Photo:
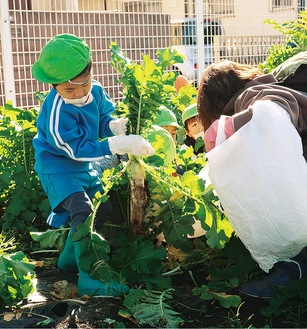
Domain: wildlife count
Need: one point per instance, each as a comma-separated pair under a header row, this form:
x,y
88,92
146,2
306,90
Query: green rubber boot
x,y
67,261
95,287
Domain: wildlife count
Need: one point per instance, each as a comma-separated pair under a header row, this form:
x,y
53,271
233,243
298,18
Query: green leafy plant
x,y
226,300
152,308
22,199
295,41
17,274
172,203
146,86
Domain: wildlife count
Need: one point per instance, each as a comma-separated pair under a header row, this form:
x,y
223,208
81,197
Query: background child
x,y
165,129
167,120
193,129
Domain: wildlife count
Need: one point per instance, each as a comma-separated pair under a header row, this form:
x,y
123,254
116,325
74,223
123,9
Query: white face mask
x,y
201,134
79,101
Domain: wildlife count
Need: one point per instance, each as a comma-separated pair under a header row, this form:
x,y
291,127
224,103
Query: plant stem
x,y
24,152
139,117
43,251
174,270
192,278
42,316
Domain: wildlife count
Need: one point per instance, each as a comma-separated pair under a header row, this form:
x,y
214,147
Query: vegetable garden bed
x,y
50,307
176,282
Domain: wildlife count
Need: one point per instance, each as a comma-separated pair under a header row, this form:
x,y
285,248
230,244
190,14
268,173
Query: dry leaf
x,y
64,290
39,263
8,316
19,314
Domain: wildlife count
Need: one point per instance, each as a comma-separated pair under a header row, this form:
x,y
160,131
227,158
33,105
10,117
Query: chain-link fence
x,y
202,30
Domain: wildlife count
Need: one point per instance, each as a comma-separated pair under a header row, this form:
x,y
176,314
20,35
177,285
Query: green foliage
x,y
239,262
50,238
95,251
21,195
277,54
146,86
289,304
176,202
295,41
139,260
16,275
110,323
207,293
152,308
45,323
234,320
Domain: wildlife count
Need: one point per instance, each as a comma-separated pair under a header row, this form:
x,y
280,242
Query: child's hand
x,y
132,144
118,126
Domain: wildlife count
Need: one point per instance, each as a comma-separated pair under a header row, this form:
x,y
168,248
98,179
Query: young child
x,y
164,145
167,120
193,129
165,128
75,117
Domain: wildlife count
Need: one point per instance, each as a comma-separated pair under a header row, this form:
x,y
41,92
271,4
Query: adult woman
x,y
232,90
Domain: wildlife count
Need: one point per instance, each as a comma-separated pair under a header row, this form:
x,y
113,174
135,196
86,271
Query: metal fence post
x,y
7,52
200,38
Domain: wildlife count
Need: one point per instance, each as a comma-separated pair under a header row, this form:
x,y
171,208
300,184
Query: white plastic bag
x,y
260,177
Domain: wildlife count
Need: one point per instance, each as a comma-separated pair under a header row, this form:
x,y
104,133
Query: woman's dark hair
x,y
87,69
219,83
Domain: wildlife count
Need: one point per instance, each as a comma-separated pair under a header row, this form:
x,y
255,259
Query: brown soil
x,y
65,310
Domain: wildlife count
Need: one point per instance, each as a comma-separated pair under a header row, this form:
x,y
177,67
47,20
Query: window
x,y
282,5
222,7
143,6
301,5
184,32
20,4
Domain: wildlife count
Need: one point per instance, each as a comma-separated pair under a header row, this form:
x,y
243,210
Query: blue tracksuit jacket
x,y
69,137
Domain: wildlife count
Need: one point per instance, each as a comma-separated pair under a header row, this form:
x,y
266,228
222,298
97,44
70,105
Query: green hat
x,y
167,149
61,59
189,112
166,117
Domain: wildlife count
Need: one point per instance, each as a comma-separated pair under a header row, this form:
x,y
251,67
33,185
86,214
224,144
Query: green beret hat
x,y
61,59
189,112
166,117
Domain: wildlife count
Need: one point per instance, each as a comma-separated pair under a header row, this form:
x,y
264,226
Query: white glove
x,y
132,144
118,126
